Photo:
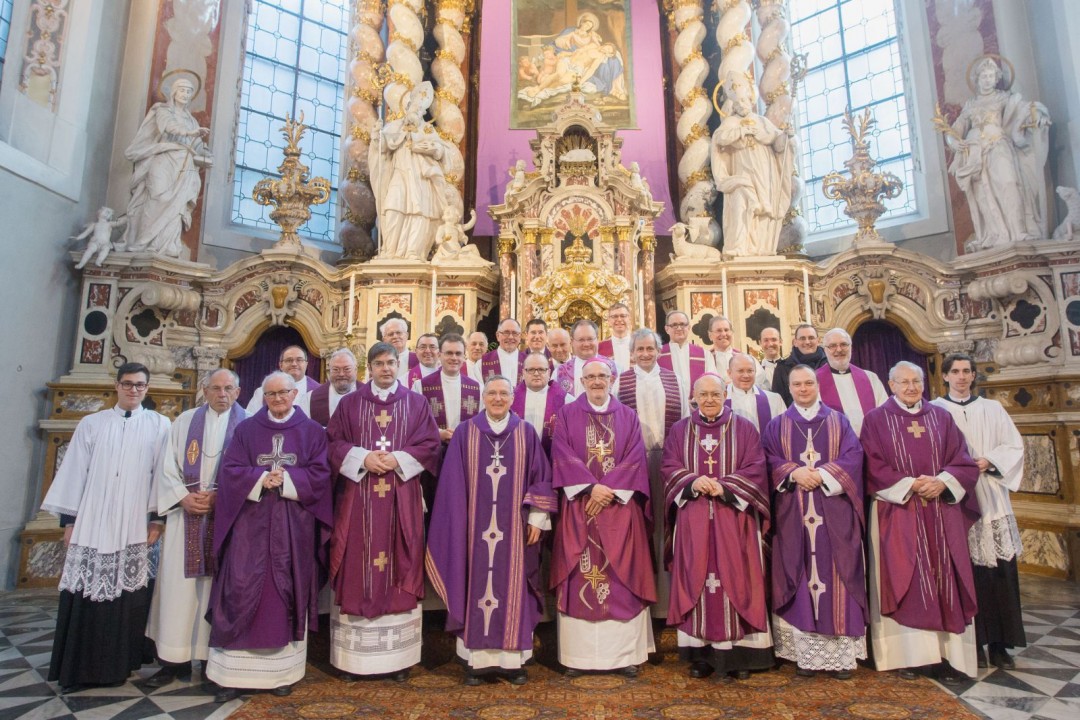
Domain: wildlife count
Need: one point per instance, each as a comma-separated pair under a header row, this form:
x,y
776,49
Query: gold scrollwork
x,y
398,37
446,96
697,132
694,54
358,133
366,95
699,175
694,95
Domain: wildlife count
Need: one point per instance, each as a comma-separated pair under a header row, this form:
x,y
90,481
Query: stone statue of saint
x,y
752,164
407,179
167,151
1000,143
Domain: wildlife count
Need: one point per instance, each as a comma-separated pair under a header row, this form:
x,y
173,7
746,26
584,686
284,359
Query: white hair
x,y
836,331
342,352
404,326
206,378
278,375
642,334
905,365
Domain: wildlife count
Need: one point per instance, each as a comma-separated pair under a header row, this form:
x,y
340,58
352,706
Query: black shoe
x,y
282,691
400,675
473,680
68,689
949,676
980,658
169,674
700,670
348,677
742,674
906,674
1000,658
842,675
226,694
519,677
630,671
572,672
803,672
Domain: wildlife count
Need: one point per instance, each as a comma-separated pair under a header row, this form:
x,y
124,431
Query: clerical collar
x,y
845,371
809,413
497,426
600,408
767,361
381,393
751,391
707,420
537,392
284,419
506,353
450,378
913,409
966,401
128,413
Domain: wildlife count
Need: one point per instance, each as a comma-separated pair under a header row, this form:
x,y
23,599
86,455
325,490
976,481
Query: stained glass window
x,y
294,61
854,59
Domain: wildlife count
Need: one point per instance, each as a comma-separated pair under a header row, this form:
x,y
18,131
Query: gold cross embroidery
x,y
916,429
710,462
193,451
382,487
383,419
594,576
600,451
380,562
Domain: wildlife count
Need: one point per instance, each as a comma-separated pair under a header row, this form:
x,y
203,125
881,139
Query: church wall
x,y
38,290
498,148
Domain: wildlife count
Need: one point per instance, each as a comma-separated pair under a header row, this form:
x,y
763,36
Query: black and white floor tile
x,y
1044,686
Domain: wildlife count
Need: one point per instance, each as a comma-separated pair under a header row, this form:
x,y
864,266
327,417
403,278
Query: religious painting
x,y
557,43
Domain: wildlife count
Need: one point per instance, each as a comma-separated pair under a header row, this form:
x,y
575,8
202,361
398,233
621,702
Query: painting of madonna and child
x,y
558,42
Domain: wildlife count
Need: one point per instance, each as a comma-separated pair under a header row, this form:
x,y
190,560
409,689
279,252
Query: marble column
x,y
693,109
648,287
527,272
451,19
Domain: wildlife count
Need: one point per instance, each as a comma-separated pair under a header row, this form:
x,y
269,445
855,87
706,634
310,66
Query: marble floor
x,y
1044,686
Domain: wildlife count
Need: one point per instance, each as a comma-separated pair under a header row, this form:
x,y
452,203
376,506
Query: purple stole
x,y
672,402
697,362
764,410
199,559
490,364
831,397
552,404
432,390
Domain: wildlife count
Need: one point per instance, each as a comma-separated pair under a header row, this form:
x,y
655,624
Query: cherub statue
x,y
684,237
639,183
100,233
1068,228
452,244
517,182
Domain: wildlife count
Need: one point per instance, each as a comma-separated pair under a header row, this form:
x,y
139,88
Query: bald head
x,y
742,369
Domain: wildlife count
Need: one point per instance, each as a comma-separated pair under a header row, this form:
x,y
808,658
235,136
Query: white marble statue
x,y
640,184
100,233
752,164
167,151
684,239
407,179
1000,142
452,244
517,180
1069,227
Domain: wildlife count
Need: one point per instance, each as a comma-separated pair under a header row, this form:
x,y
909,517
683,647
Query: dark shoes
x,y
700,670
906,674
519,677
949,676
572,672
473,680
283,691
842,675
630,671
741,674
803,672
400,675
168,674
980,657
1000,658
226,694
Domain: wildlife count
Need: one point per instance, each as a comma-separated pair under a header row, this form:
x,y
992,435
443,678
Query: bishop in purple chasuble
x,y
818,573
601,566
265,591
477,557
921,575
717,597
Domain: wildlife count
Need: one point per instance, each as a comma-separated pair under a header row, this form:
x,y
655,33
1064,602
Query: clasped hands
x,y
707,486
600,497
199,503
274,479
807,478
927,487
380,462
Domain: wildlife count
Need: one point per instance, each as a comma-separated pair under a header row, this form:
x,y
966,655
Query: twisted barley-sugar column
x,y
450,18
402,54
361,111
694,107
732,35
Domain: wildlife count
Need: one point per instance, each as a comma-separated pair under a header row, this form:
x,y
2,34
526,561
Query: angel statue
x,y
452,244
100,233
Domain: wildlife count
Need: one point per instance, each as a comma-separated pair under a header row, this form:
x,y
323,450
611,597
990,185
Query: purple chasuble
x,y
432,389
553,403
377,549
199,560
319,404
717,573
477,558
265,592
491,365
926,579
601,568
831,396
818,574
672,402
564,376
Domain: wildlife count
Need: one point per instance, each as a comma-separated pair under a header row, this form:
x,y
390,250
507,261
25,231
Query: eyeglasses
x,y
384,363
128,385
909,383
536,371
510,333
679,325
837,346
219,388
593,378
342,371
273,394
294,361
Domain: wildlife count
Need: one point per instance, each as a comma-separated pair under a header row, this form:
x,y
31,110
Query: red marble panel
x,y
98,296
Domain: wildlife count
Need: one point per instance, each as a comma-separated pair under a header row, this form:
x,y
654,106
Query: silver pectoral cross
x,y
276,459
383,444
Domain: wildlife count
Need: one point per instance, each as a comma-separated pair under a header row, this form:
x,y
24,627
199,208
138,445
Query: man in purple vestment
x,y
273,514
382,437
321,402
818,576
507,358
601,567
717,498
483,555
583,341
845,387
537,400
922,481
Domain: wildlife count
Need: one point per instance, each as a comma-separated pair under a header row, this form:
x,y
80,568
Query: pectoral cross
x,y
383,444
916,429
381,561
710,462
810,456
276,459
382,487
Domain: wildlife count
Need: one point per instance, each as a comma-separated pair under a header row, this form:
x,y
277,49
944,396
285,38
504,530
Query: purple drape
x,y
263,360
878,345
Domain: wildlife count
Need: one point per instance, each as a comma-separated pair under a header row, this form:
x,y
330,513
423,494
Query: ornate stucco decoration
x,y
877,288
295,193
279,293
1028,325
578,289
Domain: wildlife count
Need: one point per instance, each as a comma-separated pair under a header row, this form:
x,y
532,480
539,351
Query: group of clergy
x,y
608,483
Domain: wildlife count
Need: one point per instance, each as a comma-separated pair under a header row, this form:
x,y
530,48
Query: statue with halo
x,y
999,144
168,151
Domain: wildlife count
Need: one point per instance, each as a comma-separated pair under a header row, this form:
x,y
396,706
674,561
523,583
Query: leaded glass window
x,y
854,59
294,61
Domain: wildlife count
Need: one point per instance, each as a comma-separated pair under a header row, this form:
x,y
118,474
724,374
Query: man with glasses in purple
x,y
293,361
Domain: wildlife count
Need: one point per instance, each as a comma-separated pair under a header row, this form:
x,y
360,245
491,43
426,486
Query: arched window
x,y
855,58
295,60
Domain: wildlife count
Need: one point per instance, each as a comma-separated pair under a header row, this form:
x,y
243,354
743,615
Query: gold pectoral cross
x,y
383,419
916,429
711,463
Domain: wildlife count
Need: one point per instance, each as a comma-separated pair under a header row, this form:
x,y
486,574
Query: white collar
x,y
506,353
961,399
383,394
450,378
497,425
121,412
648,373
285,419
911,410
752,391
600,408
541,391
811,412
